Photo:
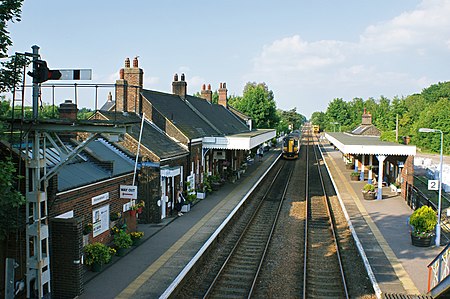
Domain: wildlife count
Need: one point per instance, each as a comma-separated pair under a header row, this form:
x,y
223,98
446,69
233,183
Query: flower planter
x,y
139,210
96,267
368,195
186,208
349,166
137,242
133,213
121,251
201,195
421,241
354,178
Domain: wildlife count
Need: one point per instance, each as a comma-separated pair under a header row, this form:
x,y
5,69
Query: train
x,y
315,129
291,145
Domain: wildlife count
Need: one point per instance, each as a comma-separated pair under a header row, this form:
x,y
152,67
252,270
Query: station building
x,y
379,162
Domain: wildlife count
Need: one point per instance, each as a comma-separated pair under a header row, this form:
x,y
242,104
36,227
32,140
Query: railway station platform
x,y
382,231
380,226
148,269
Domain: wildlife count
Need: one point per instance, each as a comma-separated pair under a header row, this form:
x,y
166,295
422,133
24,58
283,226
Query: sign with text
x,y
100,220
433,184
128,192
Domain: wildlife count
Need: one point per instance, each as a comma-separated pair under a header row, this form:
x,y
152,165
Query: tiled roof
x,y
108,106
219,116
80,174
177,111
153,139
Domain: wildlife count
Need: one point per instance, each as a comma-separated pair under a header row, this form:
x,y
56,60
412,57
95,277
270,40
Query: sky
x,y
307,52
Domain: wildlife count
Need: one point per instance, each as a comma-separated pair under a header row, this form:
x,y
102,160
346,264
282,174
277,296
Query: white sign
x,y
128,192
100,220
433,184
100,198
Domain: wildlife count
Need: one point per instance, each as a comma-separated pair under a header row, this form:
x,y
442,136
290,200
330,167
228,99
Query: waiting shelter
x,y
394,163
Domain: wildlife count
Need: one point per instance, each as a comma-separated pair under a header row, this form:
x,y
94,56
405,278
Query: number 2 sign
x,y
433,184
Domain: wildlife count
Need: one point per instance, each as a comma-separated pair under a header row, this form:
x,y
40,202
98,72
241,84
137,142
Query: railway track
x,y
238,274
323,275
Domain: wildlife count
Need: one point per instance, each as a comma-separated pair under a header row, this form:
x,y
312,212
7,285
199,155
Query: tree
x,y
10,199
10,10
436,117
289,118
318,118
258,103
10,73
338,111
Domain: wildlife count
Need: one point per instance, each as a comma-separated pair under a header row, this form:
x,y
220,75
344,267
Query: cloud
x,y
396,56
428,26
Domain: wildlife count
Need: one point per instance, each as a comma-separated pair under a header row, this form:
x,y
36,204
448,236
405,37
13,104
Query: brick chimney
x,y
129,87
179,87
68,111
223,95
206,93
366,118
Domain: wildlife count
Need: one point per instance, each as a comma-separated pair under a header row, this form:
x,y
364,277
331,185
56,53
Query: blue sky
x,y
307,52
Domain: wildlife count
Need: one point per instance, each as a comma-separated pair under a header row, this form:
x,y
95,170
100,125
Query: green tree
x,y
289,118
258,103
338,111
10,199
10,11
437,92
436,117
318,118
10,74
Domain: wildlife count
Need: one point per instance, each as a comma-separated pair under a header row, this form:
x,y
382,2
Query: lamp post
x,y
438,225
334,126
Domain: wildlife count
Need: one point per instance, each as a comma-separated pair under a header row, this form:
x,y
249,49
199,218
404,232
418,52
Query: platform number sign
x,y
433,184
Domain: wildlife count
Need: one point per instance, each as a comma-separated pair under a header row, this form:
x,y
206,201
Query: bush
x,y
354,173
369,188
122,240
423,221
97,253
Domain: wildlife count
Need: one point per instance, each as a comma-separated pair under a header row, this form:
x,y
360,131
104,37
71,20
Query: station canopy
x,y
240,141
368,145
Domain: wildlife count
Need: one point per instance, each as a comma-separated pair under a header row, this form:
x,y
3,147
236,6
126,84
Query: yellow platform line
x,y
401,273
129,291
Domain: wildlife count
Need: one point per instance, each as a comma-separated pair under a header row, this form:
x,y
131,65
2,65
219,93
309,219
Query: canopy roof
x,y
369,145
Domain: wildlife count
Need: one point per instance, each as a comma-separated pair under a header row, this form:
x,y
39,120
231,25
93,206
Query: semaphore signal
x,y
42,73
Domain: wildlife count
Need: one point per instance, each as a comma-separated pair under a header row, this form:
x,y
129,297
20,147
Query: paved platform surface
x,y
381,227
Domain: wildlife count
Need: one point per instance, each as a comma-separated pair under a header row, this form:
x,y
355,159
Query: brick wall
x,y
80,201
66,243
407,174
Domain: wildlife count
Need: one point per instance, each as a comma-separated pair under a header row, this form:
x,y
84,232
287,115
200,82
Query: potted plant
x,y
136,237
395,187
423,222
140,206
348,165
87,229
354,176
369,192
96,255
123,241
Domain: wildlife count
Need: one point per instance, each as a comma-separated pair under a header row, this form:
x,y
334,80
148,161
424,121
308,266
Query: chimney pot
x,y
209,86
127,62
203,87
121,74
182,77
135,61
175,77
109,97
